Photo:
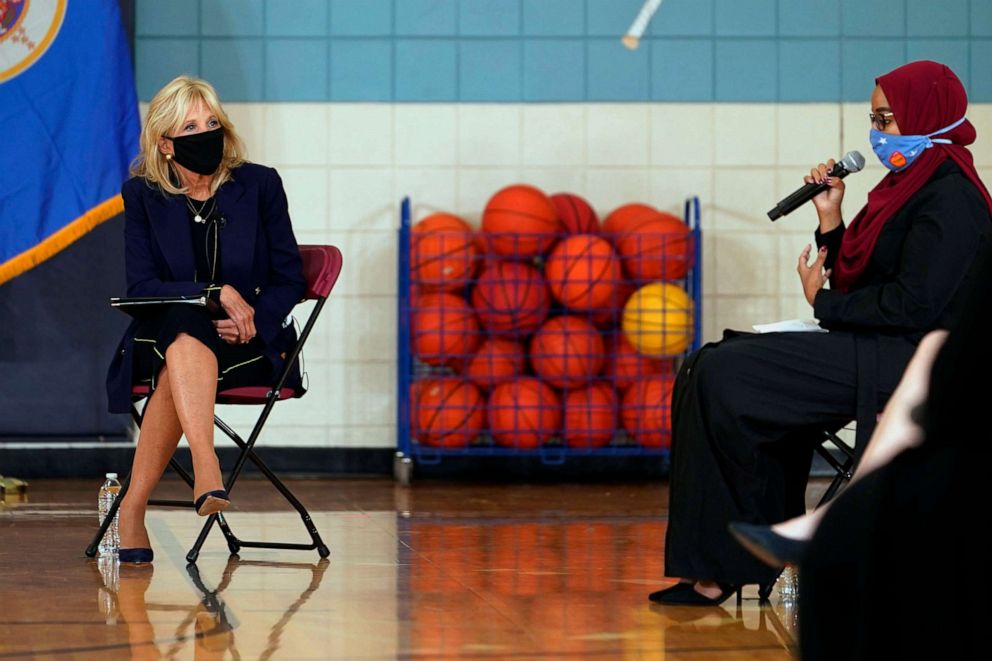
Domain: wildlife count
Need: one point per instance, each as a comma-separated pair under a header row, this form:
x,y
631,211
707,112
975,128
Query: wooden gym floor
x,y
437,571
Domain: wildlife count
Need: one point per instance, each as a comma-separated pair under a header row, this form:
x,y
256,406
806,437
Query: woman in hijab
x,y
748,411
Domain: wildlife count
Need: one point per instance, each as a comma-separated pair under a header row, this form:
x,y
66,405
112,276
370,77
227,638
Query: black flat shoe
x,y
135,555
212,502
765,544
684,594
659,596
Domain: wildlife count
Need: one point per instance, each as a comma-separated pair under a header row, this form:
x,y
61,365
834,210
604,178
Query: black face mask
x,y
200,152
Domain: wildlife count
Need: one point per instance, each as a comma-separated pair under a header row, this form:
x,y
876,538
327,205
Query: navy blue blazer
x,y
259,257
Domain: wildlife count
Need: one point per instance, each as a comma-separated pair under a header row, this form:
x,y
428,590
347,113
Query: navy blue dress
x,y
237,364
257,254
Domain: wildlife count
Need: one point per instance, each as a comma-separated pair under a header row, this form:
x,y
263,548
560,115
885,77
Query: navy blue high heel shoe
x,y
135,555
765,544
212,502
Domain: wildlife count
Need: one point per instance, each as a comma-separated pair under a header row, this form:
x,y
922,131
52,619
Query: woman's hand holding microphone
x,y
239,327
828,202
814,276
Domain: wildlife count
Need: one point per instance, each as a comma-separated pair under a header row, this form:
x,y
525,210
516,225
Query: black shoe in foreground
x,y
765,544
684,594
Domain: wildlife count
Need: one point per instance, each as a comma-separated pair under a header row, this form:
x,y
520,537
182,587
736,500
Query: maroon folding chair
x,y
321,267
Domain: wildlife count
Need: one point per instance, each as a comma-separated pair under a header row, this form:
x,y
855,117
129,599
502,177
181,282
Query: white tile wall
x,y
429,189
370,263
682,135
361,199
488,134
981,117
554,135
361,134
741,198
296,133
554,179
746,134
806,130
425,134
346,166
668,187
608,188
617,135
746,264
307,192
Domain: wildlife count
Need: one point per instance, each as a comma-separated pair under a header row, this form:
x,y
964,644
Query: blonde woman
x,y
198,219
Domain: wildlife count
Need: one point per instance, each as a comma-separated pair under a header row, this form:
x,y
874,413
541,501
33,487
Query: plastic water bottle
x,y
788,584
108,492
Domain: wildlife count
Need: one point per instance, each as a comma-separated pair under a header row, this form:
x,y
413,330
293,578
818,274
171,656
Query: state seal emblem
x,y
27,29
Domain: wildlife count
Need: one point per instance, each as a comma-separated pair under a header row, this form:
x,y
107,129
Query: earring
x,y
168,157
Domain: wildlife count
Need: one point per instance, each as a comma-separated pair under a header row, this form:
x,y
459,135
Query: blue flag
x,y
69,124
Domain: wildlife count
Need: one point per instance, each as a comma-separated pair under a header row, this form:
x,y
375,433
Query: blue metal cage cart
x,y
554,450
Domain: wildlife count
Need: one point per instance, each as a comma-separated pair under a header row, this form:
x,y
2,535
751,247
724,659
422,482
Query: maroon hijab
x,y
924,97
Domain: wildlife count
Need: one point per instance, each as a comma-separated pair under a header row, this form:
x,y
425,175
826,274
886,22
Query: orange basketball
x,y
658,248
520,222
567,352
609,313
523,413
590,416
511,298
443,255
582,272
621,217
625,365
577,215
443,328
447,412
647,412
496,361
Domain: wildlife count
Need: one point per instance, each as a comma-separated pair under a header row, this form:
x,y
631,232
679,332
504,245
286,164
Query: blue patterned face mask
x,y
897,152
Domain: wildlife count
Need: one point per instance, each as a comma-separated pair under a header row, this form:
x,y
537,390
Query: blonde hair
x,y
166,114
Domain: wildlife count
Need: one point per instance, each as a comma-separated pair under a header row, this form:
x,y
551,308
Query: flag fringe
x,y
62,239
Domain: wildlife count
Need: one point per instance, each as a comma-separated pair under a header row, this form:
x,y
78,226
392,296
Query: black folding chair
x,y
843,466
321,267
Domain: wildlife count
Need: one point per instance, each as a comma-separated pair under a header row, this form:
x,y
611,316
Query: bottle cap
x,y
111,476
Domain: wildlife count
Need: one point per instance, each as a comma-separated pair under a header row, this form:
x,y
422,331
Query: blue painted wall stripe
x,y
554,50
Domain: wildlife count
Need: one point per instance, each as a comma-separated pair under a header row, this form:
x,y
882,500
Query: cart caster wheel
x,y
323,551
403,469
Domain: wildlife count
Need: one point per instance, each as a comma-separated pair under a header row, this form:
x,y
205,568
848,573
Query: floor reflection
x,y
207,624
434,572
556,585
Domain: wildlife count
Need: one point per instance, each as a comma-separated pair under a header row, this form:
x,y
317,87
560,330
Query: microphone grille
x,y
853,161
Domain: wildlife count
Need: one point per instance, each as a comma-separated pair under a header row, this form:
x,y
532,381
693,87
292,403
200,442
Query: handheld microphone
x,y
853,161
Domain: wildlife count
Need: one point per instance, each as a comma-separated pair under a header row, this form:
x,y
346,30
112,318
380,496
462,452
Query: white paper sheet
x,y
791,326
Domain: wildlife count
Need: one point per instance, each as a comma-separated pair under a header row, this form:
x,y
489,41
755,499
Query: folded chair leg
x,y
291,498
247,453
